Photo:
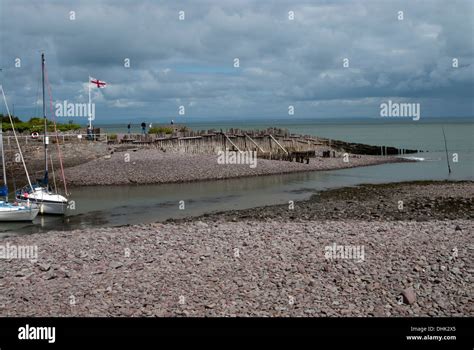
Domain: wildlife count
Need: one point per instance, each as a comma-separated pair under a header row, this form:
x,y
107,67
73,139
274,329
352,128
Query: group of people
x,y
143,125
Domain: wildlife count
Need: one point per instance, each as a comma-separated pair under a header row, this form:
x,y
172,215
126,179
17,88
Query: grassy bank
x,y
35,124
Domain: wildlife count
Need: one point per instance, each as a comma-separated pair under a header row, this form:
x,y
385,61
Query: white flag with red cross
x,y
98,83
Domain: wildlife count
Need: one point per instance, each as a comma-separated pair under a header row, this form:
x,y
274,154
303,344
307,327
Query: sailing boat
x,y
49,201
13,211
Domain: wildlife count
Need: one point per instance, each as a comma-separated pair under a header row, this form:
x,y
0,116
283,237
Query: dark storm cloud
x,y
282,62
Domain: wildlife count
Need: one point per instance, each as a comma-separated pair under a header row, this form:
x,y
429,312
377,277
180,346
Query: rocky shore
x,y
418,201
151,166
268,261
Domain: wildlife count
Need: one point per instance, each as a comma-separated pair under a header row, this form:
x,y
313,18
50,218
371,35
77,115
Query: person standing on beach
x,y
128,127
143,128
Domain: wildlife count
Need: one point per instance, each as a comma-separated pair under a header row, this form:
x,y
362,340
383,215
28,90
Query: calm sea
x,y
422,134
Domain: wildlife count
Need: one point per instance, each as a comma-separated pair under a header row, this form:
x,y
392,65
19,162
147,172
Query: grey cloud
x,y
282,62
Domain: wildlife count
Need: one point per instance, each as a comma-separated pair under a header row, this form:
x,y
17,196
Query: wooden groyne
x,y
272,143
359,148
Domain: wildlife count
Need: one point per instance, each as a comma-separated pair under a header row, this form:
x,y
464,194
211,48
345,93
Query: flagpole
x,y
89,109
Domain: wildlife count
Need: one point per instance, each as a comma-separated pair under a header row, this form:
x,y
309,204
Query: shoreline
x,y
147,166
250,263
331,202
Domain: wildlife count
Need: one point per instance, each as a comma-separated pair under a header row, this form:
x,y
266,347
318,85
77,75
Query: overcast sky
x,y
283,62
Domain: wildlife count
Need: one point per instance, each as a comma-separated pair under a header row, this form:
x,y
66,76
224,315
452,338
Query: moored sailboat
x,y
49,201
13,211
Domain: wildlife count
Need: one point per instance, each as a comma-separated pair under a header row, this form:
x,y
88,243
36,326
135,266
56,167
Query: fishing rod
x,y
446,148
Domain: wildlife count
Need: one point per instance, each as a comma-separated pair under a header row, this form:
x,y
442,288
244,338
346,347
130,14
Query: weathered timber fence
x,y
272,143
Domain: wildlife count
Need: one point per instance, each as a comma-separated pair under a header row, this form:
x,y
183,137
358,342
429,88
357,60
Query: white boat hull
x,y
53,208
47,202
19,215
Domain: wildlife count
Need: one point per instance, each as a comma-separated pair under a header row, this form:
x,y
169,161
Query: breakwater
x,y
272,143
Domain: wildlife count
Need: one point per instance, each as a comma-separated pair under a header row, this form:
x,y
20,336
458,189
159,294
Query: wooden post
x,y
255,143
284,150
233,144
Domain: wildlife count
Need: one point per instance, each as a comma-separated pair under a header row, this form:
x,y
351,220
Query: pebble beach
x,y
151,166
268,261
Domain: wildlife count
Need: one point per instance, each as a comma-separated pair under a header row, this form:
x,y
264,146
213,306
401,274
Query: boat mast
x,y
45,140
3,162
